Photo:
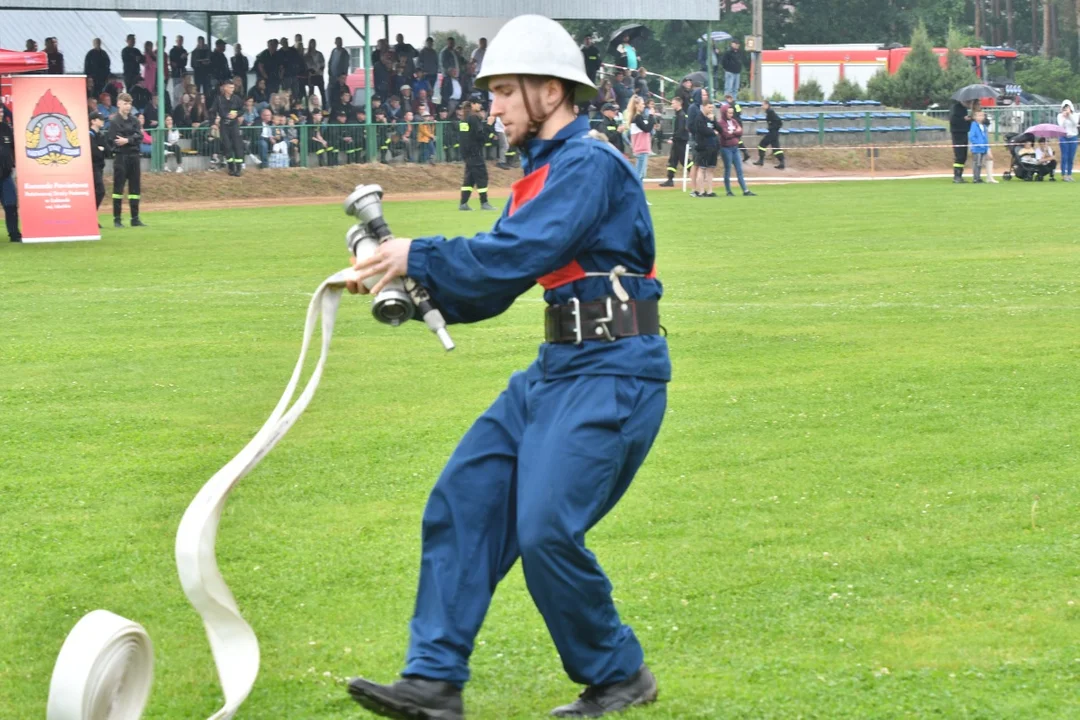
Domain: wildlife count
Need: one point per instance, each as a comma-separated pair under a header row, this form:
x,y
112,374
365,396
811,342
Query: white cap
x,y
536,45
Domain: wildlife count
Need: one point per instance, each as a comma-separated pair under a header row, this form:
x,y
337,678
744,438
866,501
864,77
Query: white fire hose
x,y
105,667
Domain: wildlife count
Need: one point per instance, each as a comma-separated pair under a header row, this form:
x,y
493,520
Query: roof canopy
x,y
560,9
13,61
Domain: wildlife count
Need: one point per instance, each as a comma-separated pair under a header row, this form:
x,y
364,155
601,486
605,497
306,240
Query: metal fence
x,y
1007,119
439,141
324,145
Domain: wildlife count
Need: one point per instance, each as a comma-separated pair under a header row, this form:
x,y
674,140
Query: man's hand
x,y
121,141
391,261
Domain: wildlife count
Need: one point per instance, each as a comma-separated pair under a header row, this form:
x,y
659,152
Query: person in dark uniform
x,y
132,58
124,137
685,91
219,66
959,126
97,157
680,135
227,108
772,139
591,53
610,126
474,135
8,197
555,453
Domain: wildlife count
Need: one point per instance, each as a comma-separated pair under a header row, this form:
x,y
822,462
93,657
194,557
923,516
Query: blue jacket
x,y
580,206
977,139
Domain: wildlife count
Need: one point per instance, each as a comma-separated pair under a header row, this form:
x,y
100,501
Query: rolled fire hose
x,y
105,667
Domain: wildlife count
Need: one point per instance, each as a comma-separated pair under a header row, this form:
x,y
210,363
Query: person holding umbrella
x,y
966,99
1067,121
959,127
621,44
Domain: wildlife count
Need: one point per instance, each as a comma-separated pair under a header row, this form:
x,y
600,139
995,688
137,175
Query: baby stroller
x,y
1023,168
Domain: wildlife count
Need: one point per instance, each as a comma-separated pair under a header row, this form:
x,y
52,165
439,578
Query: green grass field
x,y
863,503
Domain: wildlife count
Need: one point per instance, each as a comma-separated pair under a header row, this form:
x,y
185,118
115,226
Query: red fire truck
x,y
785,69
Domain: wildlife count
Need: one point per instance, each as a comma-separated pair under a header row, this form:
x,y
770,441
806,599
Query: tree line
x,y
1046,32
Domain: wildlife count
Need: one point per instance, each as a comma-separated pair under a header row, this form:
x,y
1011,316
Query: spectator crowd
x,y
295,94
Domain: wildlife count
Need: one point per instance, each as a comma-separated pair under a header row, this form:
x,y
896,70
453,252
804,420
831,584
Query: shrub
x,y
1053,78
810,91
846,91
778,97
958,70
920,79
880,88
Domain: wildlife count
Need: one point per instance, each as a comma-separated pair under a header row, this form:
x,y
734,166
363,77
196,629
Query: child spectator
x,y
172,144
450,134
979,144
292,137
425,138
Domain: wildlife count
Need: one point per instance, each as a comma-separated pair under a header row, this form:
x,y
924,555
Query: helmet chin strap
x,y
536,122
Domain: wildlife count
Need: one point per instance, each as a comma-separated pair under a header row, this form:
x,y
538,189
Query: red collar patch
x,y
527,188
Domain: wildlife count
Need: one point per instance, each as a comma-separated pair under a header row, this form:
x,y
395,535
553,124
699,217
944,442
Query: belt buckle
x,y
576,304
602,322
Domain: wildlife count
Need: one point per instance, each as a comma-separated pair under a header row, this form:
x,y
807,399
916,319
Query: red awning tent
x,y
13,62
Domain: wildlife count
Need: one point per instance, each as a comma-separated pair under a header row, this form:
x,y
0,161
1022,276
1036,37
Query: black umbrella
x,y
974,92
634,30
697,78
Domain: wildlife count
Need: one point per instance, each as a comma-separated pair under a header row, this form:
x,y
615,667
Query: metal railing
x,y
1007,119
323,145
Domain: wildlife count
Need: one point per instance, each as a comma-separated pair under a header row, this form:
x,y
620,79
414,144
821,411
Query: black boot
x,y
410,699
958,175
639,689
761,158
780,161
670,182
745,155
11,219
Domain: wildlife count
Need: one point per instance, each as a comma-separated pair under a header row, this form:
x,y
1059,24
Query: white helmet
x,y
536,45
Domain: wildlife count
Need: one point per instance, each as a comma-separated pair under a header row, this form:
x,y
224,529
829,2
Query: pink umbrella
x,y
1046,130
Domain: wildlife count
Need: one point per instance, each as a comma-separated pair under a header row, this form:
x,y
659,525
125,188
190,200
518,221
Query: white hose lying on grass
x,y
105,668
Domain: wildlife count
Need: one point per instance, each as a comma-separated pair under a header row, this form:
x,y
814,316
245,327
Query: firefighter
x,y
9,198
97,157
227,108
959,126
560,446
772,138
680,135
730,100
124,138
611,126
317,143
475,133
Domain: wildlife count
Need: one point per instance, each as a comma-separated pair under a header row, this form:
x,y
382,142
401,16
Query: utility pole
x,y
755,62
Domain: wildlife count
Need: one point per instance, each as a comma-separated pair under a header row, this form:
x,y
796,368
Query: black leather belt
x,y
608,319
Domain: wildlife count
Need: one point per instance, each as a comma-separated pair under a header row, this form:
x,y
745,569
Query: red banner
x,y
53,166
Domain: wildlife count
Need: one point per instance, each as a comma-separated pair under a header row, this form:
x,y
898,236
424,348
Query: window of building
x,y
356,57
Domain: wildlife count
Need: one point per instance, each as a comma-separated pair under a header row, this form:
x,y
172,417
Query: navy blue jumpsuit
x,y
560,445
